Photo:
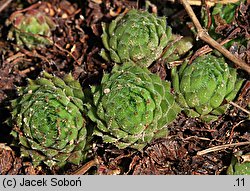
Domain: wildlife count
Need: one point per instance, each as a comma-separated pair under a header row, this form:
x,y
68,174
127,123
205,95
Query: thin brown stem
x,y
192,15
27,70
203,35
232,131
211,3
82,170
241,108
4,5
64,50
220,147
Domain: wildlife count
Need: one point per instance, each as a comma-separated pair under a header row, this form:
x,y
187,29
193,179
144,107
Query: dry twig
x,y
203,35
211,2
82,170
232,131
4,5
239,107
220,147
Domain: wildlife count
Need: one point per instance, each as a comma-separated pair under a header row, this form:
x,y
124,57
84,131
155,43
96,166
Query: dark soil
x,y
77,42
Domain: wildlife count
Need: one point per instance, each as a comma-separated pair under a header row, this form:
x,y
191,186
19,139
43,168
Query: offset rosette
x,y
205,87
48,121
137,37
31,29
132,107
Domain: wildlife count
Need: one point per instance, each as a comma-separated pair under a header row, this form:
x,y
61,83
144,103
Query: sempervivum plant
x,y
205,87
31,29
49,122
135,37
132,107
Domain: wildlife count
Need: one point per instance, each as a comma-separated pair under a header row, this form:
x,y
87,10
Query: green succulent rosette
x,y
204,88
32,29
48,121
132,107
137,37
